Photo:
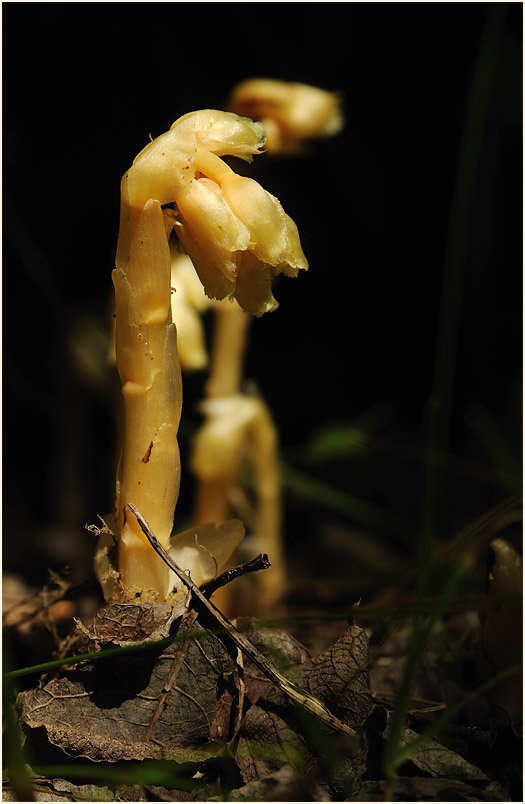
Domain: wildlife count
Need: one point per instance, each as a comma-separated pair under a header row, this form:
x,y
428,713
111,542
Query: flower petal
x,y
205,549
212,236
295,259
253,288
262,214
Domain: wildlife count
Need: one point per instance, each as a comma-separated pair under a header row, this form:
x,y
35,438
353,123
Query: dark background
x,y
85,84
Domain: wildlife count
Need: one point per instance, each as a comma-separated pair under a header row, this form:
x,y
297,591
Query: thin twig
x,y
260,562
229,633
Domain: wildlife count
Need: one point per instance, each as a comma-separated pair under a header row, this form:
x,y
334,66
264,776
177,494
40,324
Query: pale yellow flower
x,y
291,113
234,231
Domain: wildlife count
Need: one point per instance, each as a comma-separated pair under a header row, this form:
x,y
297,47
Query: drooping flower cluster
x,y
236,233
238,238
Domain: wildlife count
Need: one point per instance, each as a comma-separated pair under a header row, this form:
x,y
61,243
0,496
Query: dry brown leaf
x,y
441,762
102,710
129,624
267,744
340,677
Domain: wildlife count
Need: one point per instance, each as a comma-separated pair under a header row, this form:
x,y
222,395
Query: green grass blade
x,y
107,653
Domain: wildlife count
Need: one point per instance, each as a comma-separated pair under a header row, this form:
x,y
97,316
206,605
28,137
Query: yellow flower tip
x,y
223,132
291,113
166,166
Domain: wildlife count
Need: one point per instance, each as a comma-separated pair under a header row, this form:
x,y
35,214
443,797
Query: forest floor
x,y
380,715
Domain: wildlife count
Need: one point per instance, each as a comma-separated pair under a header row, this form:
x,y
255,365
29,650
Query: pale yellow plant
x,y
239,429
239,238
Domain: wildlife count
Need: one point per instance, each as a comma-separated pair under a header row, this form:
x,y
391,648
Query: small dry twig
x,y
260,562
